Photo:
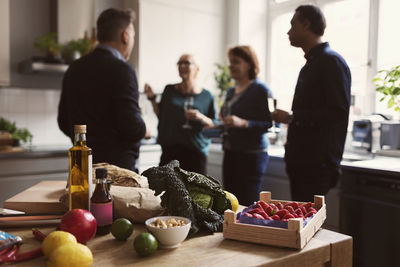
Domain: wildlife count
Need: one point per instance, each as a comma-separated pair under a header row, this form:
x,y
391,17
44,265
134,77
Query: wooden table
x,y
327,248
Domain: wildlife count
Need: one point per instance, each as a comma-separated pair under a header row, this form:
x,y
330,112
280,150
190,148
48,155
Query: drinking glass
x,y
226,111
188,104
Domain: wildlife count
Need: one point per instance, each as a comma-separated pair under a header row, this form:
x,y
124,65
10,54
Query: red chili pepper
x,y
29,255
6,250
10,255
38,235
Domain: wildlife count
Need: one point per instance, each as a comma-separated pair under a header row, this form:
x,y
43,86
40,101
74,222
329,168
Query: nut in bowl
x,y
170,231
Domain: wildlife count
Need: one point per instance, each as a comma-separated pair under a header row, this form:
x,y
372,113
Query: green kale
x,y
195,196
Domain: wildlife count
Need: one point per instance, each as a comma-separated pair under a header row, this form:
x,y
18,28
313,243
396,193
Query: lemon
x,y
234,201
56,239
121,229
71,255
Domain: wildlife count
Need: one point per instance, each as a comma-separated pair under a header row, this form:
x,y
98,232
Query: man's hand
x,y
148,91
235,121
148,134
280,116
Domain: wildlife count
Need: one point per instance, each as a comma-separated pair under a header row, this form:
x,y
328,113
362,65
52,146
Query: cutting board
x,y
43,197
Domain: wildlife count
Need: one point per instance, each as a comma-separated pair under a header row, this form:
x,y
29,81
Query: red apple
x,y
81,223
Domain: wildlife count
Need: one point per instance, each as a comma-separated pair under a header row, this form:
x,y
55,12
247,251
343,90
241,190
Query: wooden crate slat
x,y
246,229
295,236
282,243
251,228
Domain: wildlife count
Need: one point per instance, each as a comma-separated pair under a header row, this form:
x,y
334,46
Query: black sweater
x,y
321,110
101,91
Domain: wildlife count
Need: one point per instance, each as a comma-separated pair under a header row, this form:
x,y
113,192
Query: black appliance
x,y
370,213
366,132
390,135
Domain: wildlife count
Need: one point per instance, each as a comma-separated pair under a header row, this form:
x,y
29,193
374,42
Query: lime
x,y
234,201
56,239
145,244
71,255
121,229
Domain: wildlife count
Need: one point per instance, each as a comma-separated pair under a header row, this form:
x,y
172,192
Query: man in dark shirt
x,y
318,125
101,91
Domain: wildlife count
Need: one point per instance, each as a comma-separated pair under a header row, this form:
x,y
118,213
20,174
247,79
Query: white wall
x,y
75,17
169,28
5,42
246,24
35,109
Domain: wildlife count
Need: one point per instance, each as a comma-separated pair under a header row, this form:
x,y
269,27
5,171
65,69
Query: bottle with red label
x,y
101,203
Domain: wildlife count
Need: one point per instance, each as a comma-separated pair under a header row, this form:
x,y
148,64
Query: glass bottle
x,y
101,203
80,171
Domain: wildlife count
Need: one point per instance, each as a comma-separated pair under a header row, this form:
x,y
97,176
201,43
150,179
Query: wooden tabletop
x,y
327,248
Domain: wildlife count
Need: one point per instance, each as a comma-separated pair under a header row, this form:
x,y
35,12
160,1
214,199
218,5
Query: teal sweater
x,y
172,117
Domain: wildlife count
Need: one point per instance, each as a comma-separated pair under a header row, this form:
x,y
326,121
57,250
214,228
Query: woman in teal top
x,y
184,110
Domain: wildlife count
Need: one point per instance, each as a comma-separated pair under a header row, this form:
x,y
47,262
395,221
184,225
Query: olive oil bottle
x,y
80,171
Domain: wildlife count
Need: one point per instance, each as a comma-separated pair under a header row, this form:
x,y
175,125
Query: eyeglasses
x,y
184,62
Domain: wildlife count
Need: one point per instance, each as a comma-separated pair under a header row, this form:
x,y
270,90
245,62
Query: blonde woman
x,y
184,110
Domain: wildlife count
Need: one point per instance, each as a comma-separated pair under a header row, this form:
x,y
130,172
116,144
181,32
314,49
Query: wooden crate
x,y
295,236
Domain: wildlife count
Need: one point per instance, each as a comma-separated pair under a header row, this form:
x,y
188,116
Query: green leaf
x,y
396,91
376,79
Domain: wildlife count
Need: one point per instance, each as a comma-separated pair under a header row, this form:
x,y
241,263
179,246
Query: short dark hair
x,y
112,22
315,16
249,55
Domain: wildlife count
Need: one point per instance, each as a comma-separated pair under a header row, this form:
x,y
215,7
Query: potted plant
x,y
75,49
387,82
17,134
49,45
224,81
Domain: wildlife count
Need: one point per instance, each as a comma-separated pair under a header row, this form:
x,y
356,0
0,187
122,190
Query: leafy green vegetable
x,y
16,133
188,194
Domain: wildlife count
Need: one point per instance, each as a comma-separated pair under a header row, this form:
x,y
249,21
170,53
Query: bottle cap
x,y
80,128
101,173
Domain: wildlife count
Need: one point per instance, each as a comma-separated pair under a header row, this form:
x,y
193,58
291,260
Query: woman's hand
x,y
195,115
233,121
148,91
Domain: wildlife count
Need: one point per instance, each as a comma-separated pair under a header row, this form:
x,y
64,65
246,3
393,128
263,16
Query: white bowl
x,y
169,237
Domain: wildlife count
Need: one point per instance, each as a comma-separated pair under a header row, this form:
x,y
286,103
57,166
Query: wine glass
x,y
226,111
188,104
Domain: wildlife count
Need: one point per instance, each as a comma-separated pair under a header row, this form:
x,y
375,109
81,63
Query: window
x,y
388,44
352,31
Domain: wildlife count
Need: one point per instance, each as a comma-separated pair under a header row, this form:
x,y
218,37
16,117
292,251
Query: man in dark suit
x,y
318,126
101,91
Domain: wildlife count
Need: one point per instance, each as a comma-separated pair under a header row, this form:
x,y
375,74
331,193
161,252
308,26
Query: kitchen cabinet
x,y
19,173
370,210
4,42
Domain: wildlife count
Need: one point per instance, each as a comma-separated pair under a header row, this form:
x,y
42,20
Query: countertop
x,y
326,248
351,160
47,151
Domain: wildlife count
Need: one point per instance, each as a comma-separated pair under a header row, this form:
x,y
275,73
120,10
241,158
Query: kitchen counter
x,y
377,165
46,151
326,248
37,152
